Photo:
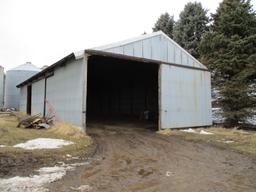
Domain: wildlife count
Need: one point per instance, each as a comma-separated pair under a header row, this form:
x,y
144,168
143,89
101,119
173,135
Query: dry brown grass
x,y
11,135
240,140
167,132
67,129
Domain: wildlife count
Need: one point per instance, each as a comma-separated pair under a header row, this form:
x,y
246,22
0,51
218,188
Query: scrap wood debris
x,y
35,121
7,111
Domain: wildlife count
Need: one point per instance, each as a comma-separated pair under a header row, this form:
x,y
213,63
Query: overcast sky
x,y
44,31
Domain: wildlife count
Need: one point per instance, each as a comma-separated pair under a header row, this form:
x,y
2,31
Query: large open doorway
x,y
121,90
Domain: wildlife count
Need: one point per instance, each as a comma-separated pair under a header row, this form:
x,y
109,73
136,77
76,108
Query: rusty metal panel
x,y
37,102
185,99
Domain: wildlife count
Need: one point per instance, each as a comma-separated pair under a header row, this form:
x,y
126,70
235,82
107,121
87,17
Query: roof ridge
x,y
127,41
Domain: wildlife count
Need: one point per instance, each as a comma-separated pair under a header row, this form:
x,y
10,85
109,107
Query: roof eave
x,y
48,69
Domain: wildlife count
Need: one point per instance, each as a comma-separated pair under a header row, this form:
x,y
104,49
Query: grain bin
x,y
13,78
1,86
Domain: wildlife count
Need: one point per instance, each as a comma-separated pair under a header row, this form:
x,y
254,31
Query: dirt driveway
x,y
130,159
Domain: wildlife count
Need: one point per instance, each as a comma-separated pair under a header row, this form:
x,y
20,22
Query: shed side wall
x,y
37,105
64,92
1,86
23,99
185,97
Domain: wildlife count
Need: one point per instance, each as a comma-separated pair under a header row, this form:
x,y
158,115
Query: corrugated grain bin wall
x,y
1,86
13,78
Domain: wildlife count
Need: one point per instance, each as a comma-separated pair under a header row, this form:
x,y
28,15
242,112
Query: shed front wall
x,y
157,48
185,97
64,92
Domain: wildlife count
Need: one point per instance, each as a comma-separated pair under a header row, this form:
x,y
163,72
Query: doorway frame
x,y
29,99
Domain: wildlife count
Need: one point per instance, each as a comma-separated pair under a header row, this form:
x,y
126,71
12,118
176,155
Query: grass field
x,y
240,140
11,135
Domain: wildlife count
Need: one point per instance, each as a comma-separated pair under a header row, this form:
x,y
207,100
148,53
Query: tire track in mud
x,y
132,159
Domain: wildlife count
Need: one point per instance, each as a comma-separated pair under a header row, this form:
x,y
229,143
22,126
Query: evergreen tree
x,y
229,50
190,27
165,23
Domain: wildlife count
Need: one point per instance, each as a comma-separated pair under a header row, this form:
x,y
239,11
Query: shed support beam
x,y
85,66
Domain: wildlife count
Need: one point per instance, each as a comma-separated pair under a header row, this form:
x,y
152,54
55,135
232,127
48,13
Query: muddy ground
x,y
24,163
138,159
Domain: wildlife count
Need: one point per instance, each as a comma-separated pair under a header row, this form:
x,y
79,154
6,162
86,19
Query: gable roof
x,y
156,47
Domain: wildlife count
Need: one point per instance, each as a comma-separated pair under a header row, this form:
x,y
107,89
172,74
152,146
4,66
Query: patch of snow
x,y
216,108
82,188
202,132
217,115
2,145
229,141
44,143
216,96
35,183
189,130
168,173
252,120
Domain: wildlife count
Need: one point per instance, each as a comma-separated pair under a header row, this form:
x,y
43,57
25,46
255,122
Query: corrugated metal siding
x,y
1,86
23,99
37,102
64,92
156,47
185,99
12,93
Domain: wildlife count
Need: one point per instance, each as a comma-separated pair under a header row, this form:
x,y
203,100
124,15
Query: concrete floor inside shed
x,y
122,91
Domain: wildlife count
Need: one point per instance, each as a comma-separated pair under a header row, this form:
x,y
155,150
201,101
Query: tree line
x,y
226,43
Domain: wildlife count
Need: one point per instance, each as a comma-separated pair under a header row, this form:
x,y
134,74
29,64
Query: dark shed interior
x,y
121,89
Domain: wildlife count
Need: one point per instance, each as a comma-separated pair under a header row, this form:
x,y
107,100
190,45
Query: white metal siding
x,y
23,99
84,91
185,99
64,92
37,101
13,78
158,47
1,86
